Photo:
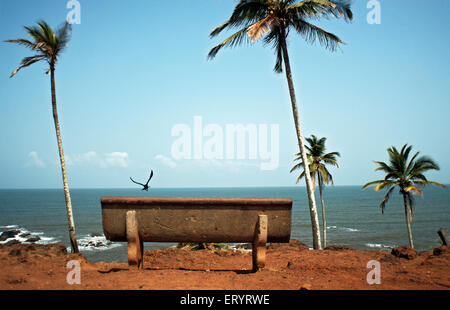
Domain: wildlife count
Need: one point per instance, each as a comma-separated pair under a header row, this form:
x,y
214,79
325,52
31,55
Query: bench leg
x,y
259,243
135,244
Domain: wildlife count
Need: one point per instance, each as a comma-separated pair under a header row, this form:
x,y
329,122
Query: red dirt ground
x,y
288,267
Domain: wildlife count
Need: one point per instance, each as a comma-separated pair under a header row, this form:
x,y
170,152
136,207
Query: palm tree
x,y
406,174
317,161
273,19
47,46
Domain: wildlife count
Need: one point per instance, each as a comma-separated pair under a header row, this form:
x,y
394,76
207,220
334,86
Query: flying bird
x,y
146,184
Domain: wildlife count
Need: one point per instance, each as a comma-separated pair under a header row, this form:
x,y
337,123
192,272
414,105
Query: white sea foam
x,y
342,228
95,243
379,246
8,227
350,229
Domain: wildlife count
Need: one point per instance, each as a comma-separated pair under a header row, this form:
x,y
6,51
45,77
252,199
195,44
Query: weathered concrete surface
x,y
164,219
259,244
135,244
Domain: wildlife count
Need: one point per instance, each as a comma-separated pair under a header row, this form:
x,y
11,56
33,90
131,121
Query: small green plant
x,y
440,244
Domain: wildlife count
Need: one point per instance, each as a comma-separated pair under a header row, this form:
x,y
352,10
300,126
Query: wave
x,y
379,246
342,228
8,227
95,243
349,229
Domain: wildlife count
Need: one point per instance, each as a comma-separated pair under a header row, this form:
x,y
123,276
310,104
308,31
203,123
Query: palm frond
x,y
27,61
426,182
384,184
423,164
372,183
260,28
312,33
219,29
383,166
385,199
63,35
325,175
410,165
27,43
231,41
315,9
300,177
297,166
245,13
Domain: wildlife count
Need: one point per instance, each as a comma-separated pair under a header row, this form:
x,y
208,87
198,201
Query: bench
x,y
198,220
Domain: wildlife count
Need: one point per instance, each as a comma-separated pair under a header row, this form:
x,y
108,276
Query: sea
x,y
354,217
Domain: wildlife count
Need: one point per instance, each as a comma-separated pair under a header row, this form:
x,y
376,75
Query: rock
x,y
441,250
338,248
96,234
33,239
244,246
404,252
11,242
23,235
9,234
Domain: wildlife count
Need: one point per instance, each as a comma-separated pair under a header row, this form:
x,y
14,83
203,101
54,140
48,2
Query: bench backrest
x,y
167,219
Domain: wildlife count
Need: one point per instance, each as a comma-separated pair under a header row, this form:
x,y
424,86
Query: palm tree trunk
x,y
408,223
309,188
324,224
72,236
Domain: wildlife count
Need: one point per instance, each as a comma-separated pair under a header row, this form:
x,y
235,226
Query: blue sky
x,y
134,70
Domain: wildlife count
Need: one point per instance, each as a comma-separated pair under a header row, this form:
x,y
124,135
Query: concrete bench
x,y
229,220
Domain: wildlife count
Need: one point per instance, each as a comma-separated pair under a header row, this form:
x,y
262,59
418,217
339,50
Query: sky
x,y
135,92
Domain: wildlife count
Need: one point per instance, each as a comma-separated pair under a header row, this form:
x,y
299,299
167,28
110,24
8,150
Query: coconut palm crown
x,y
272,21
317,159
407,174
47,44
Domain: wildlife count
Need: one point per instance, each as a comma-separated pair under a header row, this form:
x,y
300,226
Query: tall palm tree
x,y
406,174
48,46
317,161
272,20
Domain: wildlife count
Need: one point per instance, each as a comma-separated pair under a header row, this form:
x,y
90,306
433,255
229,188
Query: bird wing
x,y
151,176
136,182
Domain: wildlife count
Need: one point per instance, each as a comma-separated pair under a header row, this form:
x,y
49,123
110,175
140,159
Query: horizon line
x,y
192,187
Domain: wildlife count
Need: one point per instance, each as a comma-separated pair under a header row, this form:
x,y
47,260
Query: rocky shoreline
x,y
12,234
19,236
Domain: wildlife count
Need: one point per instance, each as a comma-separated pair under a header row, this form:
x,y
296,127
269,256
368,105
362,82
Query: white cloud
x,y
114,159
166,160
34,160
68,160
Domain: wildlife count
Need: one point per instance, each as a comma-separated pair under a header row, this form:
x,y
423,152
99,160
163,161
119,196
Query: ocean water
x,y
353,216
